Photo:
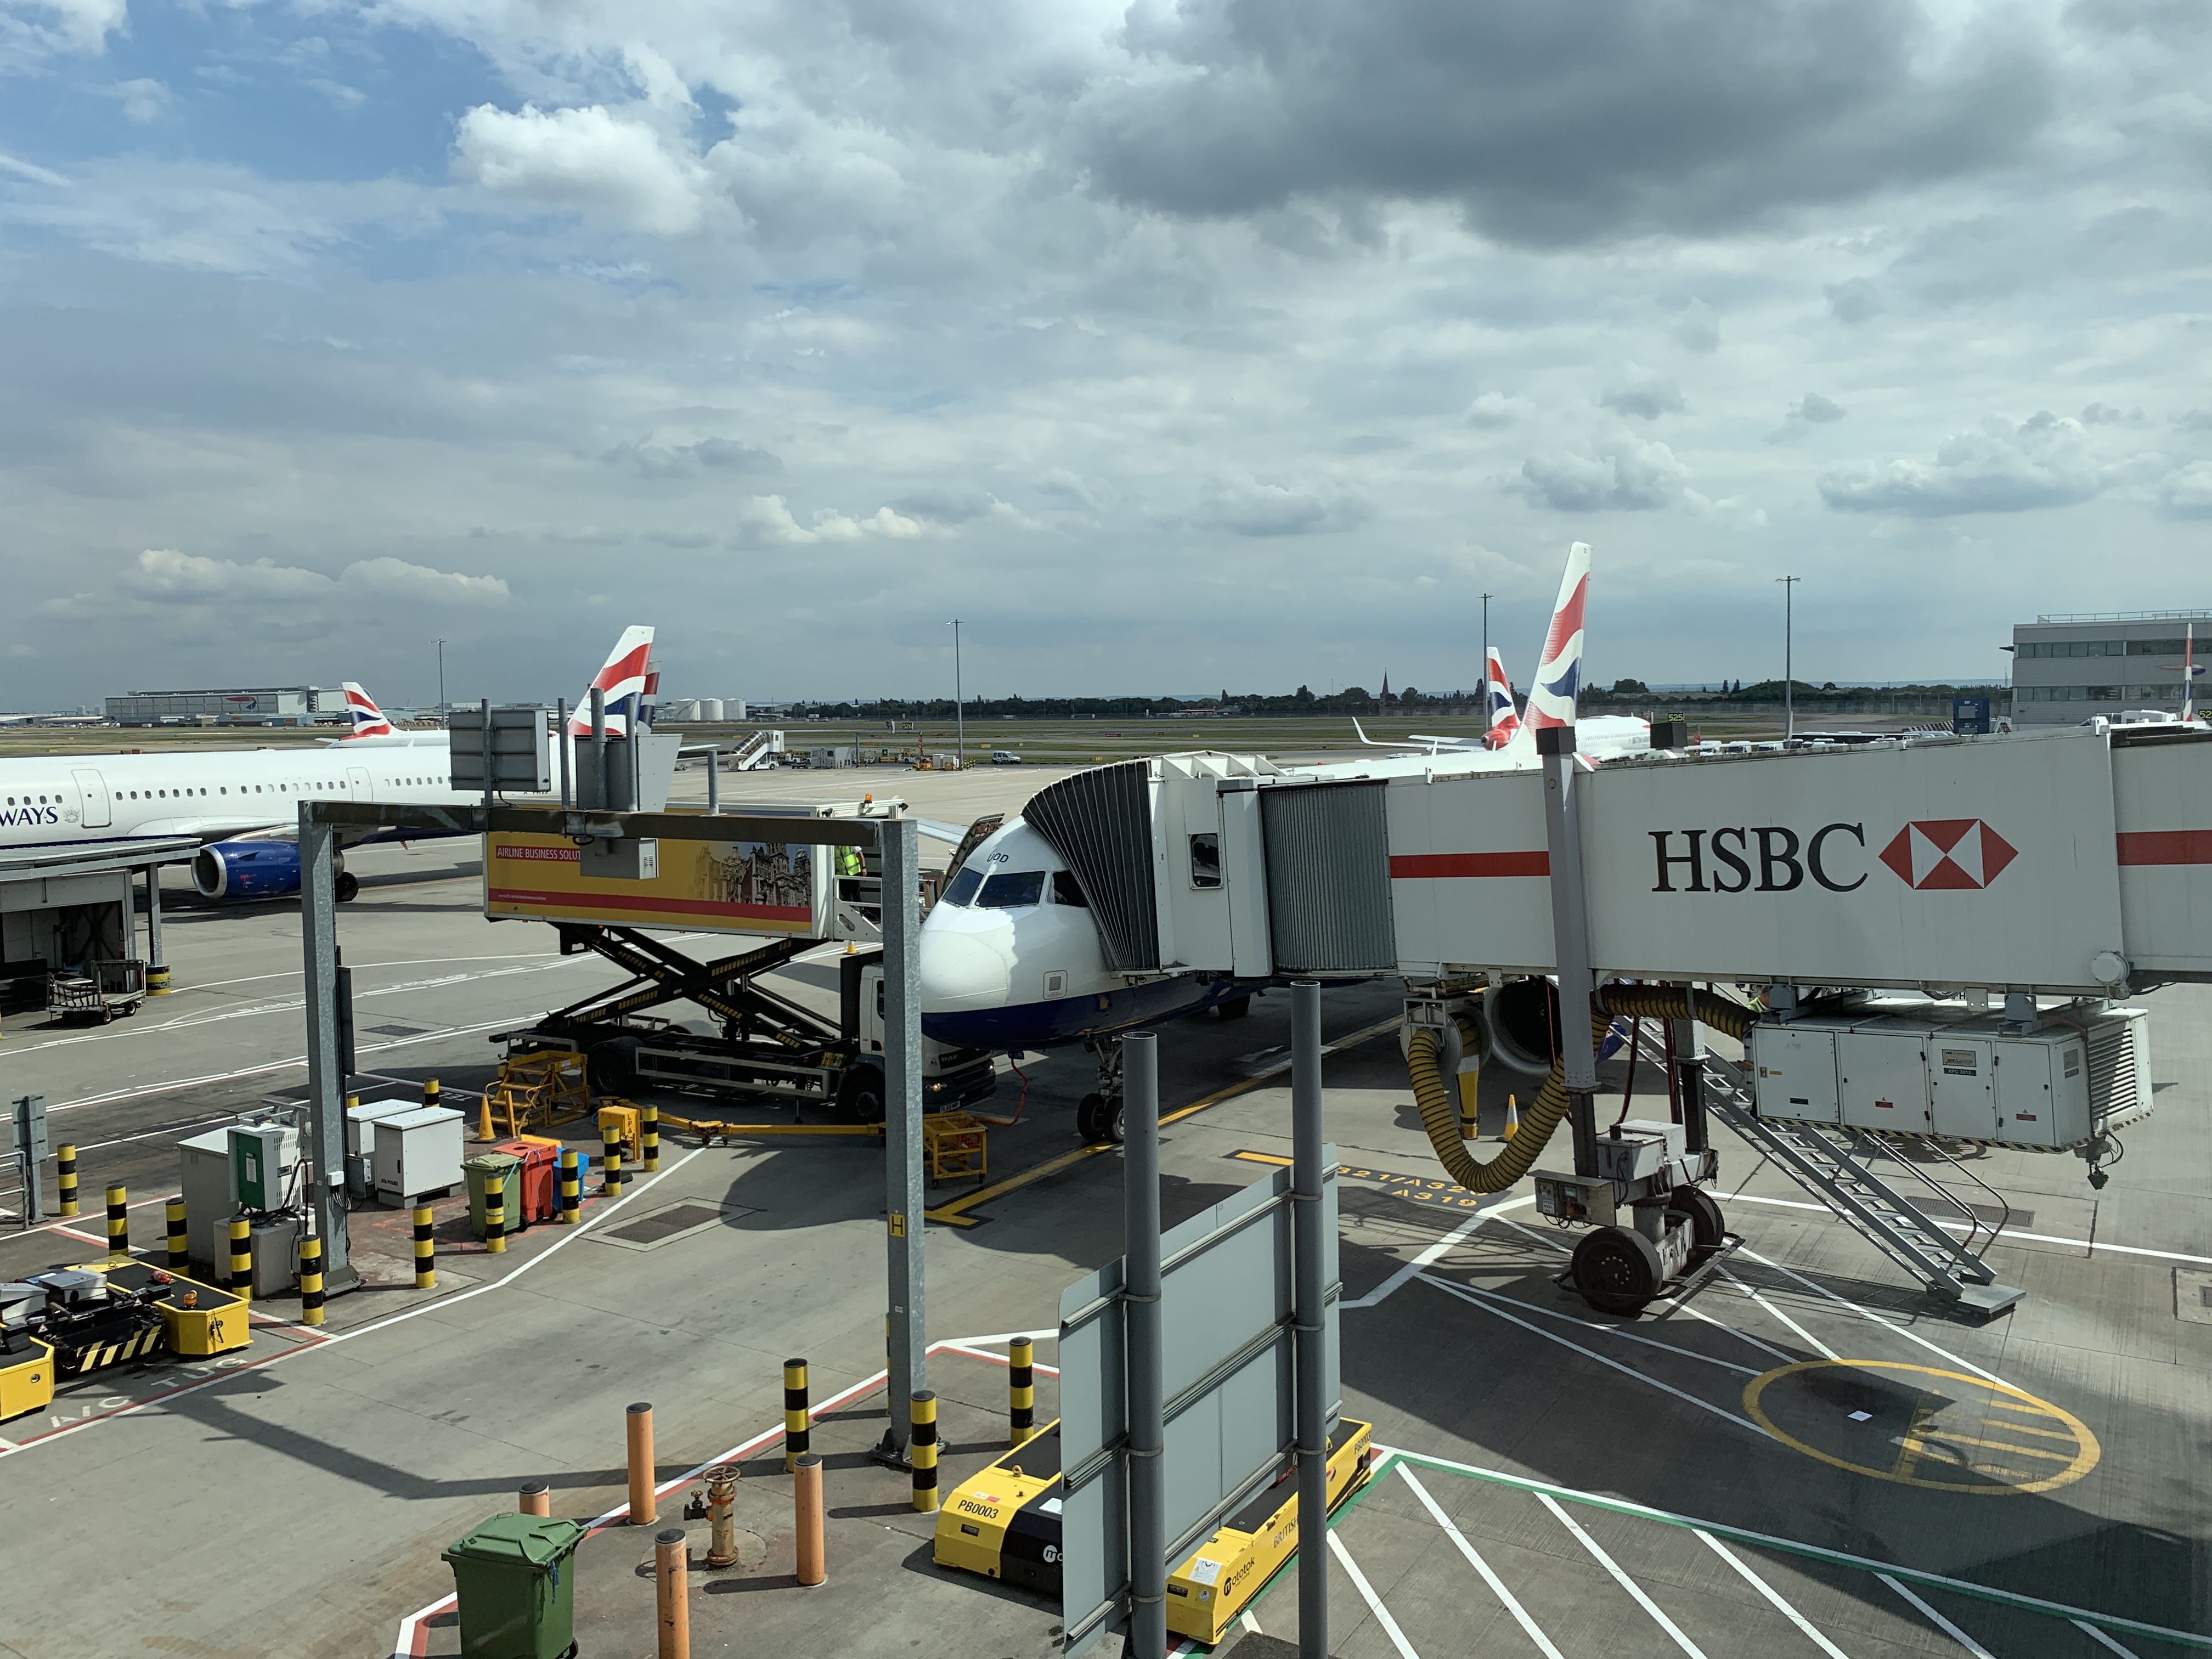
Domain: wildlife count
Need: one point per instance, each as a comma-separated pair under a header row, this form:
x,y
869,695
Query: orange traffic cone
x,y
1512,1118
484,1117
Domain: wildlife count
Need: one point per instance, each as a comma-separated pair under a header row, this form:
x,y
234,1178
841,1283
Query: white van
x,y
1005,757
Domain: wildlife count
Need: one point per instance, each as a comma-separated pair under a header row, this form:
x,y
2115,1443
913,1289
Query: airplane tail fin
x,y
1504,725
1559,674
367,720
627,680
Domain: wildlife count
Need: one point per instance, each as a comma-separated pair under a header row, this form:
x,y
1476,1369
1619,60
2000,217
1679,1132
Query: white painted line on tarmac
x,y
2101,1639
1939,1620
968,1344
1815,1341
1460,1292
1910,1335
1619,1577
2092,1245
1374,1602
1497,1585
1624,1335
1768,1590
1434,1254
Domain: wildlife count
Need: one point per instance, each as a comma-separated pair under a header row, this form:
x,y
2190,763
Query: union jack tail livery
x,y
627,679
1498,694
1559,677
367,719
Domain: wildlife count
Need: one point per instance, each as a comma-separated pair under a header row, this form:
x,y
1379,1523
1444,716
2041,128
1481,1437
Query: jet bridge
x,y
2073,864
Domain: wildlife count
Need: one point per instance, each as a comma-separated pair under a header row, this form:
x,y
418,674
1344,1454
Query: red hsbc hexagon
x,y
1940,853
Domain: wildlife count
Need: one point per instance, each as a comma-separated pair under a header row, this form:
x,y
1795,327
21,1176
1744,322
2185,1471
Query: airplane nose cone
x,y
960,971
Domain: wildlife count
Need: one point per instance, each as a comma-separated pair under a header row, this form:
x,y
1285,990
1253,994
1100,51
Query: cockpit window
x,y
1013,889
1065,892
963,891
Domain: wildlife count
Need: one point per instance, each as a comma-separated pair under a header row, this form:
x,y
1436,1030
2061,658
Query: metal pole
x,y
325,1139
714,781
1312,1356
599,749
1563,839
483,743
1789,667
1483,683
440,644
153,959
560,737
1689,1076
959,700
905,1328
1140,1270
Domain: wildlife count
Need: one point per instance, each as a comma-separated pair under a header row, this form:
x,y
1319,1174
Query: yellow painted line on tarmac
x,y
955,1214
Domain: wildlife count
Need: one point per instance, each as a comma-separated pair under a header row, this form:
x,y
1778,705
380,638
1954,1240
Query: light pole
x,y
1789,671
1483,681
959,701
440,644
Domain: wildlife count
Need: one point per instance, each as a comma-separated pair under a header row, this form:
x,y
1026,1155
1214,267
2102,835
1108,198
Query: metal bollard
x,y
641,1510
495,1214
430,1095
610,1149
241,1259
157,981
311,1282
1021,1388
572,1191
798,1420
118,1224
426,1259
180,1251
921,1449
536,1498
66,1173
671,1595
648,1139
806,1505
722,1515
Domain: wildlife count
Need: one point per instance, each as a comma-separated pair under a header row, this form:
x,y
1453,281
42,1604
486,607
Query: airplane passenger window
x,y
1065,892
1013,889
1206,860
963,891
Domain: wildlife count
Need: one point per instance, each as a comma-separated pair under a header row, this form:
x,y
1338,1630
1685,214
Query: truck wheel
x,y
1617,1270
346,886
610,1067
1696,1205
862,1098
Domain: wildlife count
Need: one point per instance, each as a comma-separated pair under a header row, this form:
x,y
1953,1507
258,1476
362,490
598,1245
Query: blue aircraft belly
x,y
1070,1019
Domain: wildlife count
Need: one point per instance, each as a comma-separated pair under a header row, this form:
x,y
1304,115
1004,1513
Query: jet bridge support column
x,y
1563,842
906,1342
324,1140
1690,1075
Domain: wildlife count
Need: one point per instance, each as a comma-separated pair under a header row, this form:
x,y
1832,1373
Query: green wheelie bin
x,y
508,1168
517,1587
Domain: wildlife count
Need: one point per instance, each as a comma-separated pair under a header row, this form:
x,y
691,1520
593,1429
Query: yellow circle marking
x,y
2013,1429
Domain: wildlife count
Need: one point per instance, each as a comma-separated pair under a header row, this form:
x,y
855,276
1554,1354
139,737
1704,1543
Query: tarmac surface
x,y
1807,1455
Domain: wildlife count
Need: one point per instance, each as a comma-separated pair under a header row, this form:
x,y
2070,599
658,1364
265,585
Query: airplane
x,y
1011,960
245,803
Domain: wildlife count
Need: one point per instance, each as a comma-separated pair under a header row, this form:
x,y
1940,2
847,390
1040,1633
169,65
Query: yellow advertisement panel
x,y
711,886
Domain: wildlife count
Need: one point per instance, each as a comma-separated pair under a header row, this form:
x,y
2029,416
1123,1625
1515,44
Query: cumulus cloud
x,y
1495,409
1256,507
2106,414
2188,493
1620,474
768,520
2000,467
721,455
1811,409
167,577
587,159
1646,397
143,100
33,28
164,573
1854,302
418,584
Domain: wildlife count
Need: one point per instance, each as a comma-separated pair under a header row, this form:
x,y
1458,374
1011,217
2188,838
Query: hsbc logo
x,y
1932,855
1948,854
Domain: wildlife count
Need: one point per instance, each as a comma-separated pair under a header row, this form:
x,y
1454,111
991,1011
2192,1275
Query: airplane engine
x,y
1522,1015
232,871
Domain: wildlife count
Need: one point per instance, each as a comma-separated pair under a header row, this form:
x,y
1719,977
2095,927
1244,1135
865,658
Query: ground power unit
x,y
1920,1069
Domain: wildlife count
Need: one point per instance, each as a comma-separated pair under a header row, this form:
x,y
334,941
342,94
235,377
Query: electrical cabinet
x,y
1794,1074
416,1152
1881,1076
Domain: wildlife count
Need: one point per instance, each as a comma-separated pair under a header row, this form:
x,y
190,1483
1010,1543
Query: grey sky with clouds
x,y
1171,347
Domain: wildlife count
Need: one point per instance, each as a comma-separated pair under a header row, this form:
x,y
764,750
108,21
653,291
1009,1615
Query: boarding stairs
x,y
756,751
1832,1165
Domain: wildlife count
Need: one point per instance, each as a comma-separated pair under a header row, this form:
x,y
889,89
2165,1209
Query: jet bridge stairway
x,y
1831,1165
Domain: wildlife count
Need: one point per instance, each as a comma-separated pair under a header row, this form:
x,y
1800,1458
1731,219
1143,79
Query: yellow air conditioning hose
x,y
1440,1113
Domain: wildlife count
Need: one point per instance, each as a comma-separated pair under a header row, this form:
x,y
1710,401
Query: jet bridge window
x,y
963,891
1206,860
1013,889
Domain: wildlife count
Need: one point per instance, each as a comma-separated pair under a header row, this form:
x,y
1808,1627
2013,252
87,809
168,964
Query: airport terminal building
x,y
285,705
2066,668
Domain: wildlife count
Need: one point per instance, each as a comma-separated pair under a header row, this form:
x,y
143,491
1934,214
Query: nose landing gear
x,y
1098,1115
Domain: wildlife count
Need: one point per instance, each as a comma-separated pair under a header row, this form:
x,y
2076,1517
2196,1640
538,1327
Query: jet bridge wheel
x,y
1696,1206
1617,1270
1099,1121
346,887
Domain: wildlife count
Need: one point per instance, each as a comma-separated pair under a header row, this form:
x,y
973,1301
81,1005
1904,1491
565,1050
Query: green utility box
x,y
517,1587
508,1168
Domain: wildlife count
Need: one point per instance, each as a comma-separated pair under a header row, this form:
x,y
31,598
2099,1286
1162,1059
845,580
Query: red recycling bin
x,y
540,1177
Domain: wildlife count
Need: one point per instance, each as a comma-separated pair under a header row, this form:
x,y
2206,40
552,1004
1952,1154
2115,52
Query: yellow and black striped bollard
x,y
798,1418
1021,1388
610,1149
922,1450
648,1139
241,1259
426,1260
118,1224
430,1095
495,1214
65,1172
311,1282
180,1257
571,1190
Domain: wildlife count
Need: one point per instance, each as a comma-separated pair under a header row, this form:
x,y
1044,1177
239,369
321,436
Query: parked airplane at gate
x,y
245,802
1012,959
